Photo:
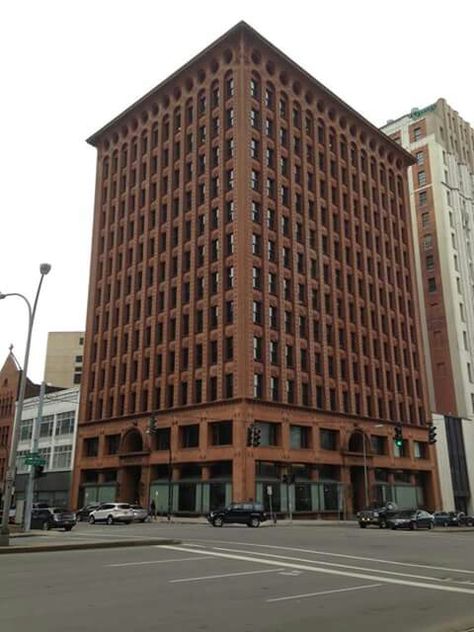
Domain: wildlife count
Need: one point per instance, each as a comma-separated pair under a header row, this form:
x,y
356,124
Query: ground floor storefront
x,y
53,488
281,493
304,462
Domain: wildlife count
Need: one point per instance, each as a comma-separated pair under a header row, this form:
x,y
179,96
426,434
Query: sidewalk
x,y
43,541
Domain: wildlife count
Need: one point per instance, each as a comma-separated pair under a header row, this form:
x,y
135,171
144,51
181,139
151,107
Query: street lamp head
x,y
45,268
2,295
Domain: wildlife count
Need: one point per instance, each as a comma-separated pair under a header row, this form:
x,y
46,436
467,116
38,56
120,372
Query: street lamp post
x,y
10,478
366,478
152,430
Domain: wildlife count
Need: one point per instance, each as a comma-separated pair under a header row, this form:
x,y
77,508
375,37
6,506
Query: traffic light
x,y
250,430
254,435
431,433
39,471
398,436
151,425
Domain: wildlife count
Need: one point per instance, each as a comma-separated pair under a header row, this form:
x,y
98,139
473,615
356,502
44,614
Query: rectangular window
x,y
189,436
420,157
328,439
300,437
46,426
421,178
255,212
258,386
257,349
420,449
26,429
163,439
62,456
269,433
65,423
274,359
256,278
273,316
254,148
221,433
379,444
257,312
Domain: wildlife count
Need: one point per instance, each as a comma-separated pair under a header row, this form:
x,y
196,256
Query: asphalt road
x,y
298,578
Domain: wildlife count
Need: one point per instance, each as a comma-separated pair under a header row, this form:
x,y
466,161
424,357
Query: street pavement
x,y
274,578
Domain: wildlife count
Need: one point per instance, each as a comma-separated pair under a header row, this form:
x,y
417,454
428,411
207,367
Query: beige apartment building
x,y
64,355
441,188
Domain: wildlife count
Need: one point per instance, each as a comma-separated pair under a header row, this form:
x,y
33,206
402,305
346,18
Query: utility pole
x,y
170,478
34,449
366,478
10,477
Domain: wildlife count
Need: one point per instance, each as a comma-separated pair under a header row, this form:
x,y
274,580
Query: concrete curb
x,y
280,523
41,548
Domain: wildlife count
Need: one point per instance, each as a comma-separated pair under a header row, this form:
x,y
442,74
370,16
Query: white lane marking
x,y
323,592
327,571
351,557
176,559
198,579
98,536
354,568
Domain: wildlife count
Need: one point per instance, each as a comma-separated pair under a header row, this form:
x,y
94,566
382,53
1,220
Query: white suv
x,y
112,512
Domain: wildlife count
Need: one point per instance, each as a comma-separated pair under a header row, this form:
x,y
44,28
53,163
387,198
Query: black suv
x,y
52,518
377,515
251,514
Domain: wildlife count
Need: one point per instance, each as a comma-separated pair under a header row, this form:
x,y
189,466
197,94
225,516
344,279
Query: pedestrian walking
x,y
152,511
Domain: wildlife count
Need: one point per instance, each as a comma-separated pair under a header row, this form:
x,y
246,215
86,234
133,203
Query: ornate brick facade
x,y
251,263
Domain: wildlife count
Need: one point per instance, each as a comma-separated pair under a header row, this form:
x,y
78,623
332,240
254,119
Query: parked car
x,y
251,514
139,514
376,515
112,512
441,518
85,512
47,518
459,519
411,519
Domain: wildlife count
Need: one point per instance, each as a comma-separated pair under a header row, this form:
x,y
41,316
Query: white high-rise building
x,y
442,202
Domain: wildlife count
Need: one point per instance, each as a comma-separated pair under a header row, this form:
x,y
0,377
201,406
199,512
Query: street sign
x,y
269,490
34,458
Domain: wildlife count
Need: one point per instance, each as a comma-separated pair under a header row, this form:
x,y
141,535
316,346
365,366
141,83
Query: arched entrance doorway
x,y
130,475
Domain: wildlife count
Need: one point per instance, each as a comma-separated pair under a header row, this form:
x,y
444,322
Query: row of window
x,y
60,424
58,459
220,433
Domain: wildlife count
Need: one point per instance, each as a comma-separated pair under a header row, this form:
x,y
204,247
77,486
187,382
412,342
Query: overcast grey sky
x,y
69,67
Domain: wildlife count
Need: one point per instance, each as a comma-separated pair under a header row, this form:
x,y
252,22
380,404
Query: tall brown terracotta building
x,y
252,264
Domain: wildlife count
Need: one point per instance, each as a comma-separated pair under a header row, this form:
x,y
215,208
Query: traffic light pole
x,y
34,448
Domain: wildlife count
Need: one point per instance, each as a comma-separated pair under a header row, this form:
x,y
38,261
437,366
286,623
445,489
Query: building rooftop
x,y
243,28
